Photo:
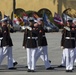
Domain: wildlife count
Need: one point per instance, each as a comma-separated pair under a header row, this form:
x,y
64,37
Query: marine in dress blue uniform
x,y
42,46
63,63
6,45
1,37
69,45
30,43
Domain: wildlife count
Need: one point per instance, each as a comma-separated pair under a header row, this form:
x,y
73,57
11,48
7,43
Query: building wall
x,y
37,5
6,6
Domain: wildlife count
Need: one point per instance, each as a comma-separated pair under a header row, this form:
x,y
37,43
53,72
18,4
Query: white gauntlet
x,y
67,28
23,47
29,28
1,38
62,47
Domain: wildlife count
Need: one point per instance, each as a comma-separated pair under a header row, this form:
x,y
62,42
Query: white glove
x,y
67,28
23,47
29,28
62,47
1,38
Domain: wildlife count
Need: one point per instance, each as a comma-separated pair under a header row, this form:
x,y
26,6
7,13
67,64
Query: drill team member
x,y
1,37
69,45
42,46
30,43
6,44
63,63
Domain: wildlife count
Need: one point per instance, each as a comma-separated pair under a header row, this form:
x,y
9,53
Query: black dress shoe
x,y
12,68
61,66
32,70
50,61
50,68
26,66
73,69
69,70
15,63
28,70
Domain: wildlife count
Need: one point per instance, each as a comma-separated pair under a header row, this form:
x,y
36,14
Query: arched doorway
x,y
30,13
70,12
45,10
18,12
0,15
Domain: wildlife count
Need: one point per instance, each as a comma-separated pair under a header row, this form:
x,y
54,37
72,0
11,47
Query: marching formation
x,y
35,43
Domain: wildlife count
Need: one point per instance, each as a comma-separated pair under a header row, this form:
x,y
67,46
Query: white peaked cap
x,y
4,19
30,18
35,21
39,19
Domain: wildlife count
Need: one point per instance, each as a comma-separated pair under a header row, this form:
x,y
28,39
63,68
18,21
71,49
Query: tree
x,y
59,6
14,5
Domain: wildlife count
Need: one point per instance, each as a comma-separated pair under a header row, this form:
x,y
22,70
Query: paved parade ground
x,y
19,54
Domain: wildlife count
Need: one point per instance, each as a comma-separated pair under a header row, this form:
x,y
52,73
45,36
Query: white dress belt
x,y
32,37
69,37
1,38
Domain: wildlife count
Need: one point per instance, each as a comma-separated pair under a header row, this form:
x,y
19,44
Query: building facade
x,y
6,6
